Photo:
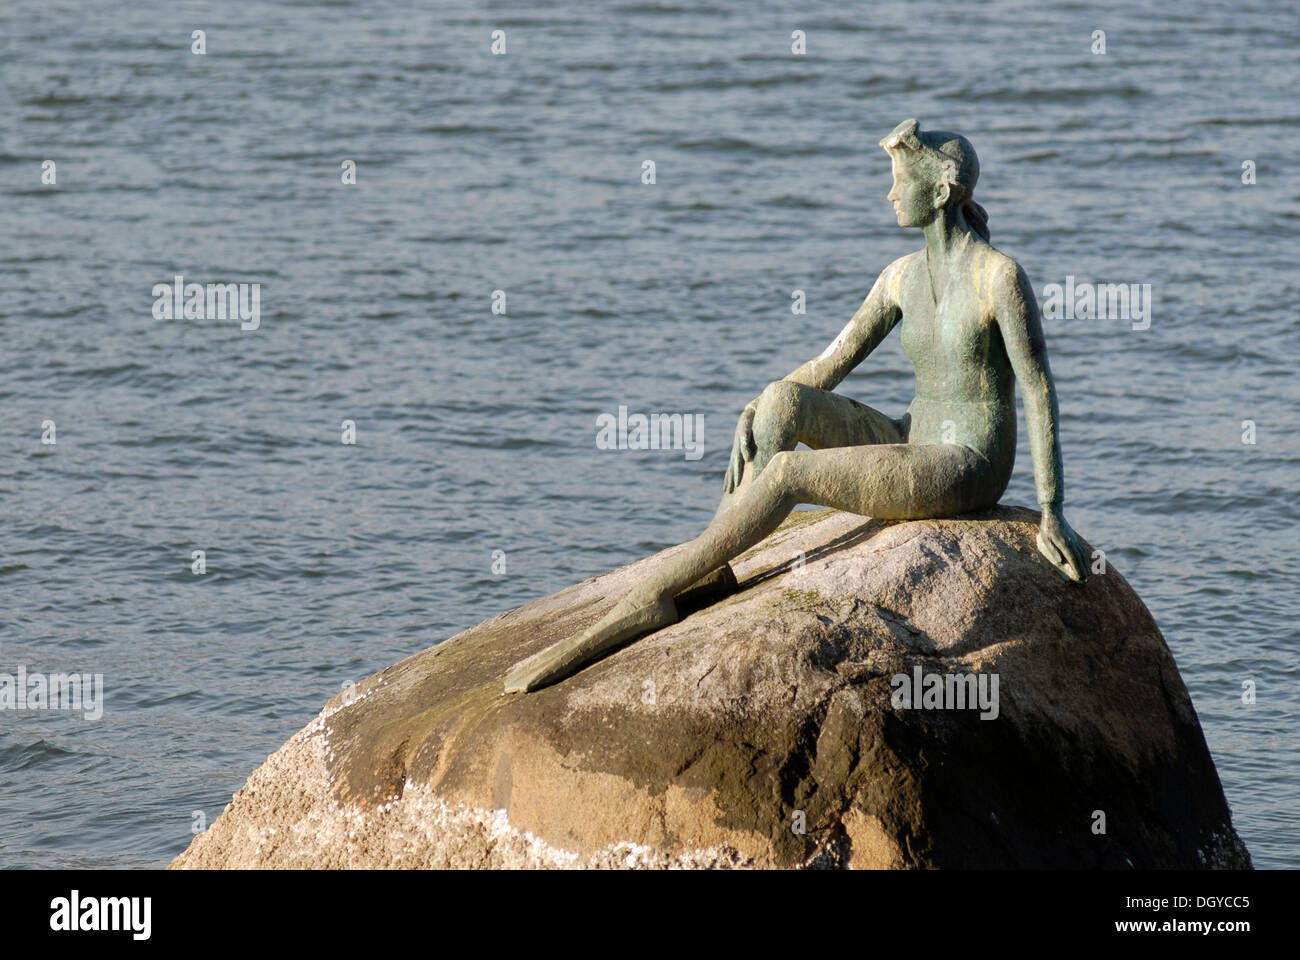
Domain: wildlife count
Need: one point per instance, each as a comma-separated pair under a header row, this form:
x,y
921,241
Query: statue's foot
x,y
627,621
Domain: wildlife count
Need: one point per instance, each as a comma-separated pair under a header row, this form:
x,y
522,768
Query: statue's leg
x,y
890,481
650,606
790,413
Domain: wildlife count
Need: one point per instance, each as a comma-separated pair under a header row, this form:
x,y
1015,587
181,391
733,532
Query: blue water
x,y
476,430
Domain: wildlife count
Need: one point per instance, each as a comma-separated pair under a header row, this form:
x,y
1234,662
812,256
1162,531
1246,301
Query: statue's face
x,y
912,196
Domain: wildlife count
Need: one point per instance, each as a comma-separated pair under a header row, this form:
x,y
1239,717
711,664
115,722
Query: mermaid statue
x,y
971,328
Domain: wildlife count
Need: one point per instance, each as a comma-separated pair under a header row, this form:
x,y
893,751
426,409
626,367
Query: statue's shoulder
x,y
992,260
1001,272
1003,287
894,277
905,264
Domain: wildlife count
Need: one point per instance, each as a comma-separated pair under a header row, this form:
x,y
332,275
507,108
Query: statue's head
x,y
933,171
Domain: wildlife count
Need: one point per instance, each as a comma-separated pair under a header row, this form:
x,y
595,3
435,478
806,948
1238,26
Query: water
x,y
476,431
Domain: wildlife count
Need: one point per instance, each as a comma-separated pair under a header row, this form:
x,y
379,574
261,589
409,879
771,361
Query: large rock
x,y
711,742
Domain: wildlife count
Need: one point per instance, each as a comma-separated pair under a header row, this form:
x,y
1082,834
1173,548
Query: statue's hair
x,y
948,158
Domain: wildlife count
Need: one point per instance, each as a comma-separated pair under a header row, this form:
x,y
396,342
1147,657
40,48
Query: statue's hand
x,y
1059,544
743,449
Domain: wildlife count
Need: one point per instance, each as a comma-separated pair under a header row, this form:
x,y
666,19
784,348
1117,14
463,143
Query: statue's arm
x,y
871,323
1016,313
1018,320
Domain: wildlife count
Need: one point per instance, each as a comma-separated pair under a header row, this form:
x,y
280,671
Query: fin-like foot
x,y
620,625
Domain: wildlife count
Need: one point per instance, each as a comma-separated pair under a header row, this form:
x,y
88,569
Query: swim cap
x,y
952,160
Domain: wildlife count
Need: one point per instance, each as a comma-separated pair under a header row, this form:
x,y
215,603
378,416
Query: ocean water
x,y
476,430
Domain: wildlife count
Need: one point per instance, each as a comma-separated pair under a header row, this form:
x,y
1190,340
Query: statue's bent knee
x,y
779,473
779,394
775,410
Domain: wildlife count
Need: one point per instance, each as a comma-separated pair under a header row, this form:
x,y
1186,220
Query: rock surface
x,y
709,743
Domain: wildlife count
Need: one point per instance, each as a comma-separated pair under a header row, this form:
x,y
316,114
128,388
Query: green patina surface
x,y
970,326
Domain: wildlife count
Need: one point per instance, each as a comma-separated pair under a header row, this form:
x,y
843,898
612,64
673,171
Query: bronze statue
x,y
970,326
